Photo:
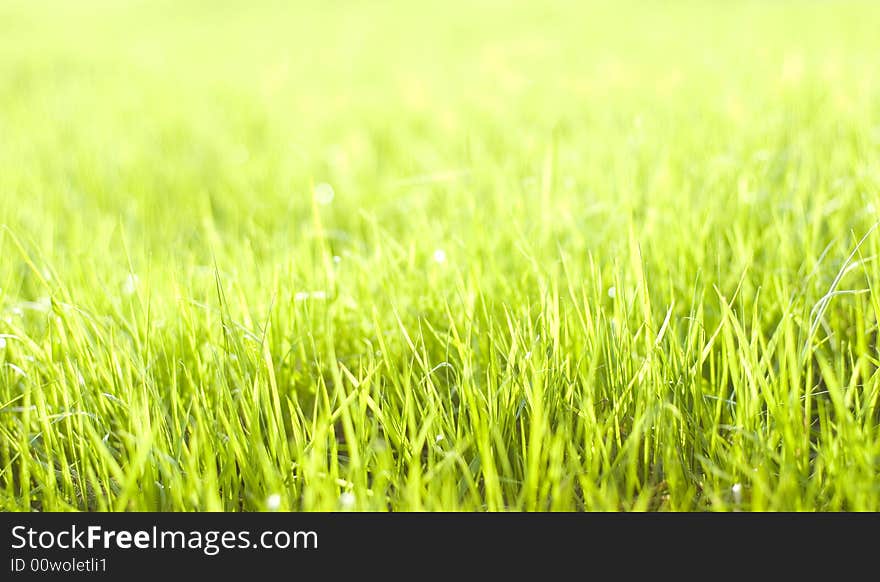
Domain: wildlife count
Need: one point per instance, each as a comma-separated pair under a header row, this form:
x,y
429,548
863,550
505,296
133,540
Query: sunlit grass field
x,y
479,255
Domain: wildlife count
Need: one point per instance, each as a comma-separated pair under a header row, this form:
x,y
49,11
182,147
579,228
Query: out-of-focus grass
x,y
439,255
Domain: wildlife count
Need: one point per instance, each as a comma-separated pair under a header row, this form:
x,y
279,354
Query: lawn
x,y
441,255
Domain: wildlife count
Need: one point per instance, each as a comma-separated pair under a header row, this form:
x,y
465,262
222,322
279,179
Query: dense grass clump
x,y
439,256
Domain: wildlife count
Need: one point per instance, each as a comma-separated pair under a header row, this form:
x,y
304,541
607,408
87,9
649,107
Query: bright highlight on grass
x,y
556,257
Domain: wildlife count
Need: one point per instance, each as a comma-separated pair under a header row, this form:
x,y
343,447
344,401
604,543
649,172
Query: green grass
x,y
576,257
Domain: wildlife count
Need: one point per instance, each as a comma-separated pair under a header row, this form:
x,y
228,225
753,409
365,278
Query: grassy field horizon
x,y
476,256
